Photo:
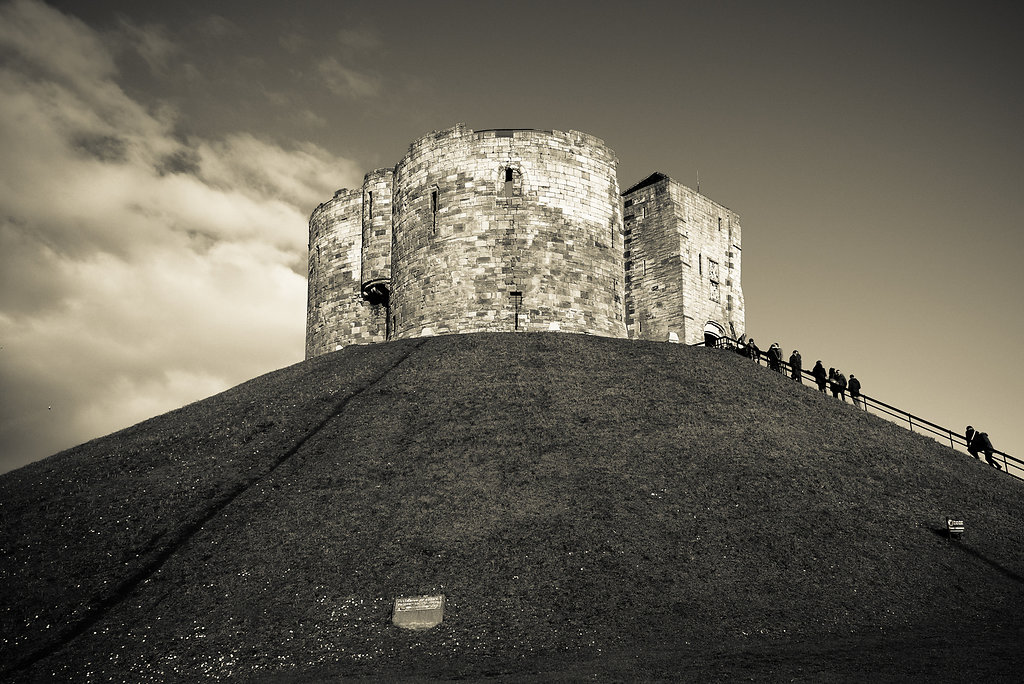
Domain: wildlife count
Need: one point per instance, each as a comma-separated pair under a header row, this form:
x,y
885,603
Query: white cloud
x,y
137,272
58,45
300,177
347,82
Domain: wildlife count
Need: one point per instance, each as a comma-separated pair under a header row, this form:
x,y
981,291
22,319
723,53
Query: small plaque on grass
x,y
954,528
418,612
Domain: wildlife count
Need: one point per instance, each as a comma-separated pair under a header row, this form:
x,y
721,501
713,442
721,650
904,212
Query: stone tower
x,y
506,230
682,263
515,230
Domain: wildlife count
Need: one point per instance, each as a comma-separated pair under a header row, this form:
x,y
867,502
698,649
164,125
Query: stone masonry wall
x,y
481,215
519,230
682,263
376,212
336,314
653,264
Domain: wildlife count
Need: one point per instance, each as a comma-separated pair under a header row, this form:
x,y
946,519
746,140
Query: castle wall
x,y
519,230
682,263
336,314
480,215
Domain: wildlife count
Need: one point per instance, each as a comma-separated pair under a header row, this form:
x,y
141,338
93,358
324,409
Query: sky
x,y
160,162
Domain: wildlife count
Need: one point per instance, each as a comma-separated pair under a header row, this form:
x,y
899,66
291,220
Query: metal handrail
x,y
925,426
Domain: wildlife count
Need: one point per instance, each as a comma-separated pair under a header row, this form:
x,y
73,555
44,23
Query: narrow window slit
x,y
433,210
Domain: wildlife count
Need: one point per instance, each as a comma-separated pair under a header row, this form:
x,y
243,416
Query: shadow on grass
x,y
188,530
971,552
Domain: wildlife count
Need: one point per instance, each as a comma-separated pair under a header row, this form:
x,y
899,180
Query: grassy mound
x,y
589,507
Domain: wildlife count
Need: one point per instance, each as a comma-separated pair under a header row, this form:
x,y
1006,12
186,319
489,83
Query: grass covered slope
x,y
587,506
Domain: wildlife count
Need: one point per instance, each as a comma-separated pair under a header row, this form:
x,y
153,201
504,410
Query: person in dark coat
x,y
969,440
775,357
753,351
820,376
741,346
982,443
832,382
796,367
854,387
841,384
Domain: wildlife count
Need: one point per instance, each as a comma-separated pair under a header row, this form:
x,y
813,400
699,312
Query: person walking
x,y
775,357
820,376
796,368
854,387
969,440
982,443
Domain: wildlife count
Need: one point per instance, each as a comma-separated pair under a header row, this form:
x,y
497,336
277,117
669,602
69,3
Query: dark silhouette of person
x,y
986,448
820,376
753,352
981,442
841,384
832,382
969,440
796,367
741,345
775,357
854,387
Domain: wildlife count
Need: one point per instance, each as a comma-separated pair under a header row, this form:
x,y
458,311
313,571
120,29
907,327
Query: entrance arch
x,y
712,331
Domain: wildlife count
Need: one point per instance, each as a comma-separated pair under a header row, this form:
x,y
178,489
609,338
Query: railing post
x,y
911,419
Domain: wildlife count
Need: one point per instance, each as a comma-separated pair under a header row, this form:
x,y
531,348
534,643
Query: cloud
x,y
308,117
215,26
347,82
297,177
292,42
65,48
151,43
138,271
359,39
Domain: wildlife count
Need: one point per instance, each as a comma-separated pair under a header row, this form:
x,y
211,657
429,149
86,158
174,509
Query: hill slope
x,y
588,506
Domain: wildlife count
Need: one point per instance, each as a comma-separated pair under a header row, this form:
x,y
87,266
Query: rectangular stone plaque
x,y
418,612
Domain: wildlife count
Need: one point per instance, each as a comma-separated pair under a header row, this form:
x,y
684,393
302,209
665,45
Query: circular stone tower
x,y
506,230
376,256
336,313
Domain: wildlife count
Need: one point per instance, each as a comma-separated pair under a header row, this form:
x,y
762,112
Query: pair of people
x,y
837,382
978,442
